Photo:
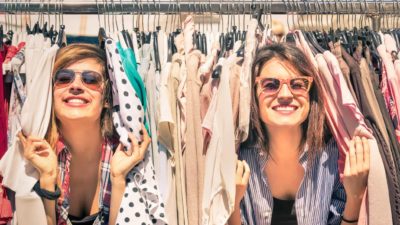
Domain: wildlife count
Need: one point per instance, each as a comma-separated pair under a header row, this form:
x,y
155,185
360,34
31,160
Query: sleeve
x,y
338,199
242,214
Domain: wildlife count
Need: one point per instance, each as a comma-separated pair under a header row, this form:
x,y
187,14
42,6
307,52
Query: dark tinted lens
x,y
299,84
270,85
64,76
91,77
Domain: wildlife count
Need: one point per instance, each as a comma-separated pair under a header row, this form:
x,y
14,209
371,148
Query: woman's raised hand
x,y
40,154
123,161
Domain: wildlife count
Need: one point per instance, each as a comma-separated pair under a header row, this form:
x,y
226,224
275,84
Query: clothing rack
x,y
372,8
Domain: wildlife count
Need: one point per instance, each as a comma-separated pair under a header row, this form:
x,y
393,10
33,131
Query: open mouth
x,y
285,108
76,101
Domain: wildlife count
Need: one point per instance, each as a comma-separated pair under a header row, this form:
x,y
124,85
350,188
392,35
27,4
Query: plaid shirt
x,y
64,162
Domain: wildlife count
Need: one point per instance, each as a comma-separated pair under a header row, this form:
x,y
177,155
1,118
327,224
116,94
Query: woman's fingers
x,y
359,154
146,140
239,171
134,149
366,163
246,173
353,157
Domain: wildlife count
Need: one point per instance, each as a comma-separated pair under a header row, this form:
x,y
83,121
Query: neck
x,y
284,143
82,141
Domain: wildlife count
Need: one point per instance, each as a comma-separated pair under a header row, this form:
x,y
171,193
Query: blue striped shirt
x,y
320,199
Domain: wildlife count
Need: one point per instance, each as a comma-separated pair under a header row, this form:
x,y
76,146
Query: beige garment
x,y
177,99
19,175
369,90
193,155
205,72
337,51
212,87
219,182
245,80
234,86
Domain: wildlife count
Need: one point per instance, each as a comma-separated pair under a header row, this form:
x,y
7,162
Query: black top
x,y
283,212
88,220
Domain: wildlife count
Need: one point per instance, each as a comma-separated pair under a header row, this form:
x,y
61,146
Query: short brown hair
x,y
69,55
314,126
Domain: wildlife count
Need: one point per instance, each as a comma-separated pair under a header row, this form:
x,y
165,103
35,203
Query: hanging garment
x,y
64,161
337,51
141,201
245,80
193,155
18,175
220,164
390,166
355,125
178,70
390,90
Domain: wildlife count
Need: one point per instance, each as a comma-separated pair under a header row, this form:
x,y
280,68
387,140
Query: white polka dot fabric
x,y
141,203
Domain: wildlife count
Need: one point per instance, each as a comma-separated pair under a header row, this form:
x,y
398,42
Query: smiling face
x,y
283,108
77,102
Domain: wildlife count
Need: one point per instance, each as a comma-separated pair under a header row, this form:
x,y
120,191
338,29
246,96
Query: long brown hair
x,y
314,126
67,56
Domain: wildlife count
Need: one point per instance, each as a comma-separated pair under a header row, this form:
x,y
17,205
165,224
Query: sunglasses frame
x,y
282,82
90,86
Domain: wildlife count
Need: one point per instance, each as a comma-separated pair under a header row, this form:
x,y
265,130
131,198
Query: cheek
x,y
263,107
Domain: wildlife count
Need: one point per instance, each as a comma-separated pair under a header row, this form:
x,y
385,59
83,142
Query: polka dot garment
x,y
141,203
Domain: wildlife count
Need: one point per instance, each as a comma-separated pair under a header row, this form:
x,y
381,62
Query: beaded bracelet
x,y
47,194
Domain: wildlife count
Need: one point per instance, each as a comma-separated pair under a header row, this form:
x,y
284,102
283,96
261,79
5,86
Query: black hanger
x,y
315,47
156,51
257,15
229,41
170,47
60,40
199,42
217,72
222,44
102,37
204,43
28,29
147,38
36,28
51,35
127,39
44,30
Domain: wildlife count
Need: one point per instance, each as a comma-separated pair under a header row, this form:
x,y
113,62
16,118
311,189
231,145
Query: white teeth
x,y
285,108
76,100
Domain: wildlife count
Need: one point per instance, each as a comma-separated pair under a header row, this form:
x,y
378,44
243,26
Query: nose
x,y
284,93
76,86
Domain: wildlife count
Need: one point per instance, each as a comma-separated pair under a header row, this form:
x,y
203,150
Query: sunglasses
x,y
297,85
90,79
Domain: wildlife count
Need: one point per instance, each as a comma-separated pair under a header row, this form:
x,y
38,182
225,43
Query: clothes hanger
x,y
102,34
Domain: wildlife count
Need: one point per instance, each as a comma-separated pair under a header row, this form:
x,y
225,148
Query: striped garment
x,y
320,199
64,161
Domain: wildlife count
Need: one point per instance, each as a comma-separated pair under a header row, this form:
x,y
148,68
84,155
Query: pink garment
x,y
346,120
392,93
390,45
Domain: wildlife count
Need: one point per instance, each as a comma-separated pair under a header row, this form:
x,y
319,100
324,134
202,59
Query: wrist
x,y
118,181
48,182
